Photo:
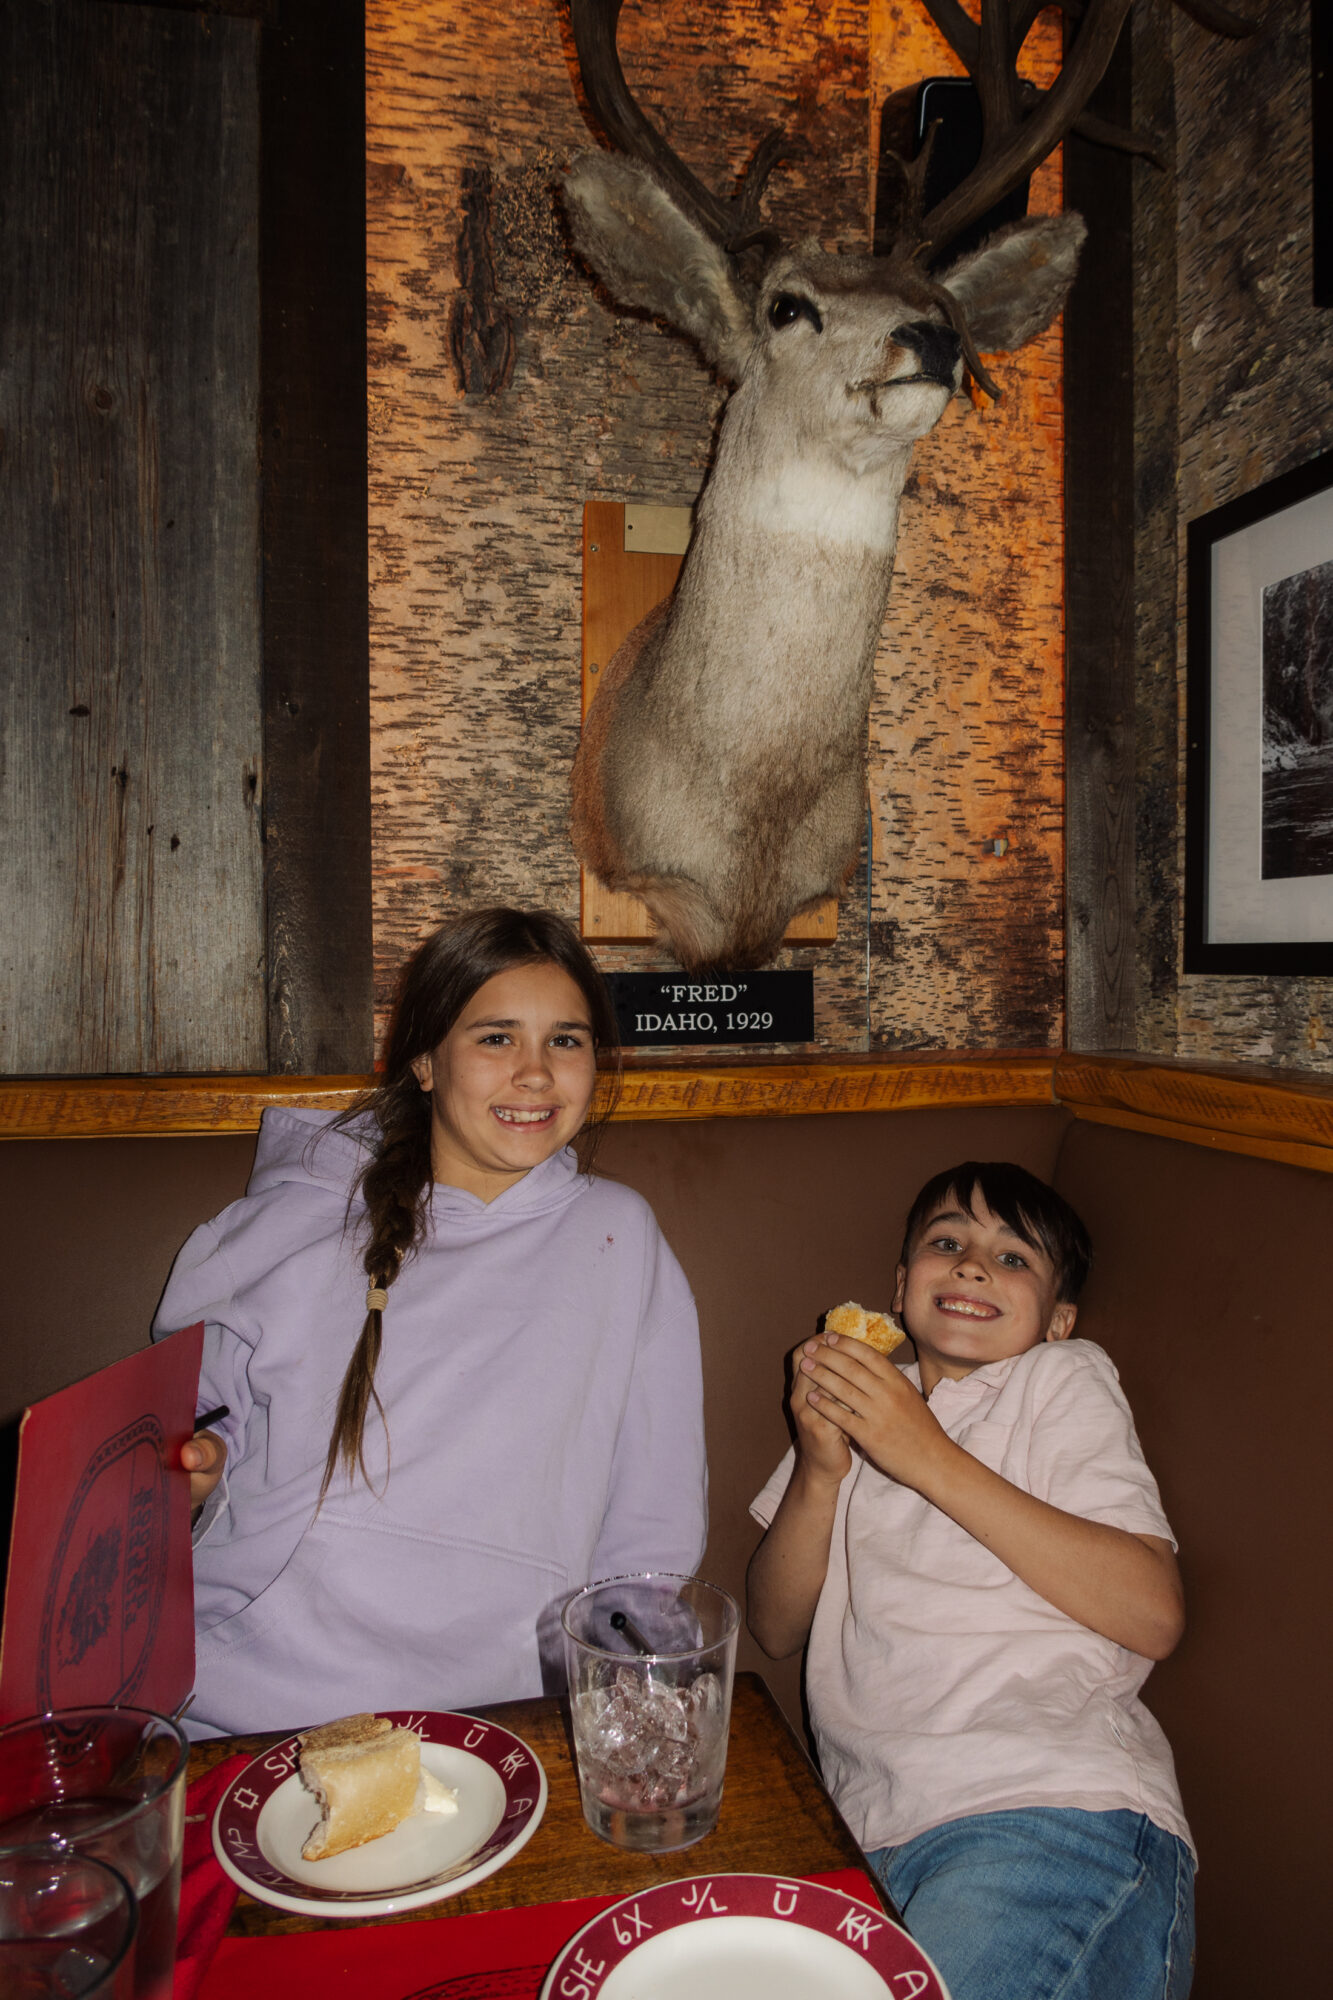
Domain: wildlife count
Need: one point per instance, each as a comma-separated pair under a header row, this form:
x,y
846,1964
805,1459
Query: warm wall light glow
x,y
966,725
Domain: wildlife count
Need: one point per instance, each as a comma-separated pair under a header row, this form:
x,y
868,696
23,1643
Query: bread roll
x,y
364,1773
871,1327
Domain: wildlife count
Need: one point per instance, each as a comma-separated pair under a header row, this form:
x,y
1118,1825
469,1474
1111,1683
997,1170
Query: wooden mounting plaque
x,y
621,586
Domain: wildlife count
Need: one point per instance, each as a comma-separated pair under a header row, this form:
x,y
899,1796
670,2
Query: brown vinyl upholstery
x,y
90,1228
1211,1297
775,1220
1208,1292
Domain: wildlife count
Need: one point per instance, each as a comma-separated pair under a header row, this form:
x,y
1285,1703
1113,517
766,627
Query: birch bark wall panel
x,y
1240,363
505,390
967,755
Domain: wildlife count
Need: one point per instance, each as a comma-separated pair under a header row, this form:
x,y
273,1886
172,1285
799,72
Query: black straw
x,y
620,1623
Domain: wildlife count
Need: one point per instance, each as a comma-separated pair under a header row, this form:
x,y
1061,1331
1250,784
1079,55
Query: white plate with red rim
x,y
742,1937
266,1817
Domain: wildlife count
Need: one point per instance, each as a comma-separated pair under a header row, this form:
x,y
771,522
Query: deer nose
x,y
935,346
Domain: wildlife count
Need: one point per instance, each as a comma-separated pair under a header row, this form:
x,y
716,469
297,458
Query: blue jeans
x,y
1049,1904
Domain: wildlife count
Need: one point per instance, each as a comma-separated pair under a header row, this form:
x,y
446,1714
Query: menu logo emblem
x,y
104,1594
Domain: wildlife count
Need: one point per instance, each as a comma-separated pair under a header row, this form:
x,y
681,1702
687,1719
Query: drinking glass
x,y
650,1662
67,1926
110,1783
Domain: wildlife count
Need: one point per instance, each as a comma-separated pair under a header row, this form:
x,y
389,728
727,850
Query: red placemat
x,y
496,1955
207,1895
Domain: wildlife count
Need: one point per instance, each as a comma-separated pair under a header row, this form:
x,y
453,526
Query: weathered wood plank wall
x,y
1100,949
130,857
476,495
1233,362
316,640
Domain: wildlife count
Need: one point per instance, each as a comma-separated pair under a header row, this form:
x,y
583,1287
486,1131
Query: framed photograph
x,y
1259,755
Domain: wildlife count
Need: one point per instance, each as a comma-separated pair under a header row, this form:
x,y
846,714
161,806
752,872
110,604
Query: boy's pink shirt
x,y
939,1684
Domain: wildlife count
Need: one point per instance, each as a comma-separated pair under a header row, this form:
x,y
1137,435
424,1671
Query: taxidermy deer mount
x,y
721,775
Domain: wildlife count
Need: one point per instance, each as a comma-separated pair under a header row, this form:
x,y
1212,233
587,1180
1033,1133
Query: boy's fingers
x,y
866,1369
850,1349
852,1388
834,1395
833,1411
833,1368
819,1417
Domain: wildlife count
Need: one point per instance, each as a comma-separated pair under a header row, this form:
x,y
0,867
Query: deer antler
x,y
1220,20
1022,124
731,223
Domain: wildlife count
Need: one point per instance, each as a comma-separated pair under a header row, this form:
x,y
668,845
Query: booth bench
x,y
1209,1195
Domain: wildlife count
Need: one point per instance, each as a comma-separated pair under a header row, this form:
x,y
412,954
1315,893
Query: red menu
x,y
99,1598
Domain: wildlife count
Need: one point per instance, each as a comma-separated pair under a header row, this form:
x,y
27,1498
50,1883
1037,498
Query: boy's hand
x,y
1124,1586
821,1446
866,1398
204,1457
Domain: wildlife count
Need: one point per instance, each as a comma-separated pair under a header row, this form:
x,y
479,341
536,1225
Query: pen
x,y
210,1417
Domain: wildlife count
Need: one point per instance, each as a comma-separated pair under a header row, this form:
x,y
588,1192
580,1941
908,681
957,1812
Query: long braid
x,y
394,1187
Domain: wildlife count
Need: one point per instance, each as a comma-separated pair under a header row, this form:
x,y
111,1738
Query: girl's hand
x,y
821,1447
204,1457
866,1398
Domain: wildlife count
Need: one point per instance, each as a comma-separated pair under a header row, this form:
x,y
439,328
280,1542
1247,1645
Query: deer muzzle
x,y
936,347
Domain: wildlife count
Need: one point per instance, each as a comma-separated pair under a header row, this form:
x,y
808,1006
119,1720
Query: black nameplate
x,y
672,1009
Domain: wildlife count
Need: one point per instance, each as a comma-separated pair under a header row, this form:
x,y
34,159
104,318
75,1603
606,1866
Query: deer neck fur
x,y
790,562
842,495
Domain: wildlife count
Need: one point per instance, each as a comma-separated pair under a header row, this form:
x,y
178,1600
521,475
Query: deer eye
x,y
788,307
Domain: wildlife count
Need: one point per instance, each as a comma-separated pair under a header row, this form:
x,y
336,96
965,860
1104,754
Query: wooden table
x,y
776,1819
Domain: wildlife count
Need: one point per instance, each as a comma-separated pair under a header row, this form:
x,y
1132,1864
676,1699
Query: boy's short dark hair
x,y
1034,1211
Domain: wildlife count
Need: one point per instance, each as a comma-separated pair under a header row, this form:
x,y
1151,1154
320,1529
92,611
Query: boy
x,y
977,1553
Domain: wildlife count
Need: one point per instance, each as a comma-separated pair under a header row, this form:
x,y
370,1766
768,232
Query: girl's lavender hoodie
x,y
540,1375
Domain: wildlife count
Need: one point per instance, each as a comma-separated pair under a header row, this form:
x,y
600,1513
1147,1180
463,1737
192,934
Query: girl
x,y
398,1528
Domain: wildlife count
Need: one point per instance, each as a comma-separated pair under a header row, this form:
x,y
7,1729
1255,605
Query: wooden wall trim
x,y
100,1107
1241,1108
1282,1116
1320,1158
116,1107
850,1083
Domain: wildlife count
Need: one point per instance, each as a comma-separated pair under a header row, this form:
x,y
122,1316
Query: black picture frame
x,y
1237,921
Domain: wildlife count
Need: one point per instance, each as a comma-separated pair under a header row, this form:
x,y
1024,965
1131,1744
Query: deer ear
x,y
1015,284
650,253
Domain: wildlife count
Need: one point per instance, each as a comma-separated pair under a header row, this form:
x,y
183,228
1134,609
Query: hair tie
x,y
376,1299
